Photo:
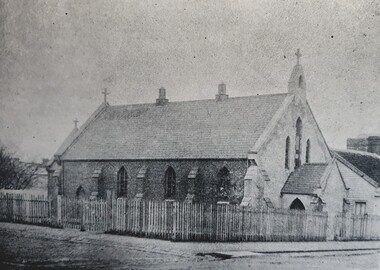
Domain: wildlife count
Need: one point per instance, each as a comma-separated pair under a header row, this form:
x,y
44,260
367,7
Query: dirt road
x,y
32,247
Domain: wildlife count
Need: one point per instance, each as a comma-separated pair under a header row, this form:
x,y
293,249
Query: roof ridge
x,y
199,100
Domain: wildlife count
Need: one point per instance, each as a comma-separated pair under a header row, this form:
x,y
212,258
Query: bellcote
x,y
297,84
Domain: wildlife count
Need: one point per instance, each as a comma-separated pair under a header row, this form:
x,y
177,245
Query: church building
x,y
257,151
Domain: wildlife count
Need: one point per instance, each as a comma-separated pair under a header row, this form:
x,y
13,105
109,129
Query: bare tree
x,y
15,174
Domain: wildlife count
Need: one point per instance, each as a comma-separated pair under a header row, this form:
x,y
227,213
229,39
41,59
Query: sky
x,y
57,56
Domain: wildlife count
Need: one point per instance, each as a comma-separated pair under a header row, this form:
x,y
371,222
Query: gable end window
x,y
300,81
297,157
287,150
307,158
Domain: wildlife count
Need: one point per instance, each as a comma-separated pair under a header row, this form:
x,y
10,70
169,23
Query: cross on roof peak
x,y
298,54
105,93
76,122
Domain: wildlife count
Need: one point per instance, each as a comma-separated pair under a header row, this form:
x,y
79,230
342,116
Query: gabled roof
x,y
305,180
365,164
191,129
76,132
66,143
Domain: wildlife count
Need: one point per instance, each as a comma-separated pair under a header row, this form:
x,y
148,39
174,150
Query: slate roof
x,y
305,179
191,129
367,163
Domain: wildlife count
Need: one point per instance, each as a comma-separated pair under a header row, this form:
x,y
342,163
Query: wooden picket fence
x,y
183,221
82,214
25,208
357,227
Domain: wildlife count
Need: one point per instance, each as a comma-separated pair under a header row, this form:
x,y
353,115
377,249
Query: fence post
x,y
59,210
13,208
215,227
27,206
242,223
174,221
109,213
9,209
329,232
81,215
141,216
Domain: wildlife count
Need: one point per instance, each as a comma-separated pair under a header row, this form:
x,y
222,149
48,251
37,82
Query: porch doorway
x,y
297,205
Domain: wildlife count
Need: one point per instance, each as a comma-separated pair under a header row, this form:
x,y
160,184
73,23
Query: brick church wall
x,y
77,173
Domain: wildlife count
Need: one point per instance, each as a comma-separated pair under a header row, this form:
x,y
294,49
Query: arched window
x,y
122,179
297,205
80,193
300,81
297,158
287,149
224,184
307,158
101,187
170,183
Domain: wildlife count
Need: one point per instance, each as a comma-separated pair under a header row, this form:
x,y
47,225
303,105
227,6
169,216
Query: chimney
x,y
221,93
162,100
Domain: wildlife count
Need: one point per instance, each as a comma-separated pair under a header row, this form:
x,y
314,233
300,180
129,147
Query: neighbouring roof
x,y
367,163
41,171
191,129
305,180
